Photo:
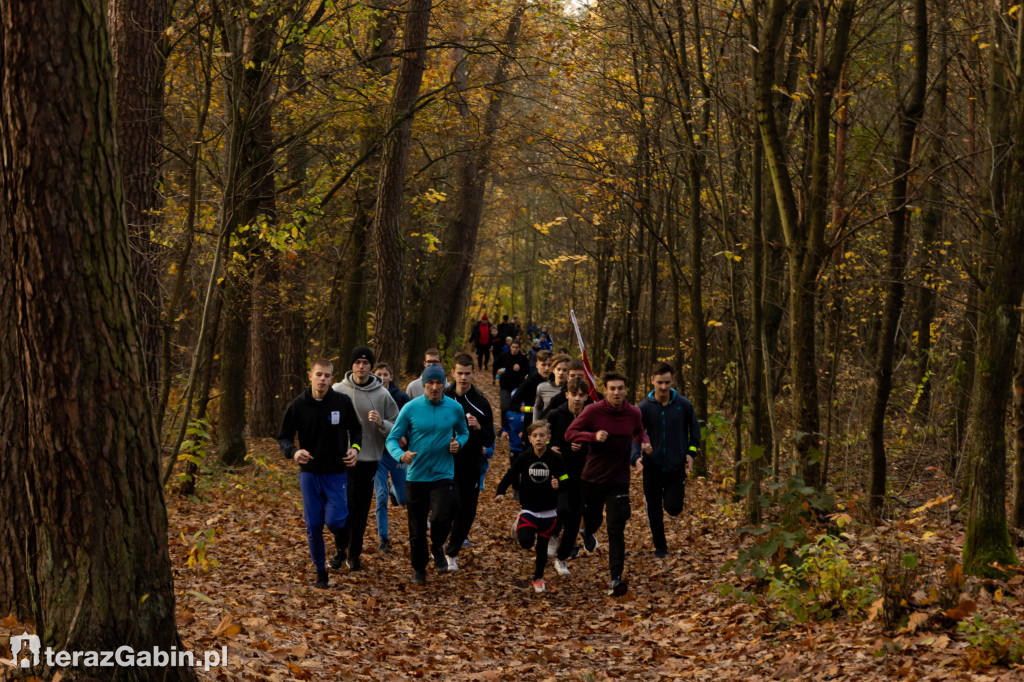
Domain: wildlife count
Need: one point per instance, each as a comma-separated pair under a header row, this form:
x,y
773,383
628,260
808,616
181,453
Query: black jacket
x,y
526,394
559,419
534,474
470,456
511,379
673,429
326,428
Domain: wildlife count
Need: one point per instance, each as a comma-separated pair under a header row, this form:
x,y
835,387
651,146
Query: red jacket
x,y
607,462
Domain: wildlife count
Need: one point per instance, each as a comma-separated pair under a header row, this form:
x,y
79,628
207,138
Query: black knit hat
x,y
361,353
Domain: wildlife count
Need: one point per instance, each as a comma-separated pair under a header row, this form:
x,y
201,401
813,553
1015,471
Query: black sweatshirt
x,y
534,474
511,378
468,458
559,419
527,392
326,428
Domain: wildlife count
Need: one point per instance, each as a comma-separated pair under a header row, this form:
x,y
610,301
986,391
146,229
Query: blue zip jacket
x,y
673,429
429,428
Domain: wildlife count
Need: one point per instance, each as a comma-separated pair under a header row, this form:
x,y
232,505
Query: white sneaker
x,y
560,567
539,586
552,547
452,564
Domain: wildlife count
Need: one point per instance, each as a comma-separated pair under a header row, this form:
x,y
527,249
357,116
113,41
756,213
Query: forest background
x,y
813,209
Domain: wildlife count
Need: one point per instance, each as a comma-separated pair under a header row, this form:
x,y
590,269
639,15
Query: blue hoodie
x,y
673,429
429,428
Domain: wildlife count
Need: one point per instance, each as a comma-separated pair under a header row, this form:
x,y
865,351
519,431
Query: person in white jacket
x,y
377,411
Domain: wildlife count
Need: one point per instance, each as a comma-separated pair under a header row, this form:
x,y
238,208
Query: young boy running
x,y
672,426
330,438
574,455
555,386
540,471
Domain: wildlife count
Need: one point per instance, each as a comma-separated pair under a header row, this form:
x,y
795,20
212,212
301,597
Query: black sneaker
x,y
589,542
384,546
321,580
337,560
354,564
575,552
617,587
419,577
441,563
660,553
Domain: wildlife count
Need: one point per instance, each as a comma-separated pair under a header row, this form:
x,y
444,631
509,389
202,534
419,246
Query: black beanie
x,y
361,353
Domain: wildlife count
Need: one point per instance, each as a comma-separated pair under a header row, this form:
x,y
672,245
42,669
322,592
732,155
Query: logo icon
x,y
31,646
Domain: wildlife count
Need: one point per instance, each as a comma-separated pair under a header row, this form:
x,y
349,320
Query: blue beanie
x,y
433,373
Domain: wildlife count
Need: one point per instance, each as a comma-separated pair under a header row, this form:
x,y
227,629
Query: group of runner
x,y
362,438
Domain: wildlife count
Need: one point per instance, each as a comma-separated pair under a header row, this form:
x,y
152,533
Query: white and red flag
x,y
591,380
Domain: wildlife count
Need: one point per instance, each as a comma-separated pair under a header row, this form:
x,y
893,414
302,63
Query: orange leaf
x,y
226,628
916,620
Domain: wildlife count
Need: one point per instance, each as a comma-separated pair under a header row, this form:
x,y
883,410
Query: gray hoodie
x,y
370,396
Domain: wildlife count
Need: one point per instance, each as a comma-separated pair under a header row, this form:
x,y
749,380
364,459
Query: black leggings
x,y
664,491
614,497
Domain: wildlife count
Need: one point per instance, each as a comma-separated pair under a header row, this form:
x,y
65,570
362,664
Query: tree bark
x,y
987,539
86,557
137,29
1017,507
909,116
391,182
473,175
248,190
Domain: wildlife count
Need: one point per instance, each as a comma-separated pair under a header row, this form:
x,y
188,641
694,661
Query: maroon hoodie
x,y
607,462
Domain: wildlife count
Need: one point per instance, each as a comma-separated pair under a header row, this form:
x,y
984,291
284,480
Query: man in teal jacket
x,y
435,427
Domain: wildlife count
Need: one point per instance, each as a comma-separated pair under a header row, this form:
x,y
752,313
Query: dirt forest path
x,y
483,622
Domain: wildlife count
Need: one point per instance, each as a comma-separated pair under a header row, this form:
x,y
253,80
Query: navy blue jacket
x,y
673,429
398,395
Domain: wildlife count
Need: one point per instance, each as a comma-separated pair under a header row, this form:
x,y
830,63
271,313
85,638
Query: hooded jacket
x,y
673,429
370,396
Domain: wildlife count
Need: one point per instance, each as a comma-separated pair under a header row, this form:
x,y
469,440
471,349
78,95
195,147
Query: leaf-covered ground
x,y
484,622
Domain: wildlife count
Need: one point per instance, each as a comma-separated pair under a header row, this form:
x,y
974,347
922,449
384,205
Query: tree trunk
x,y
137,28
909,116
1017,508
931,224
391,182
803,231
987,539
267,403
699,350
473,174
83,527
248,190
